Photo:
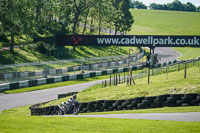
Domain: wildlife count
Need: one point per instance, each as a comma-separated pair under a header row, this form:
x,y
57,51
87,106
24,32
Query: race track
x,y
166,54
8,101
193,116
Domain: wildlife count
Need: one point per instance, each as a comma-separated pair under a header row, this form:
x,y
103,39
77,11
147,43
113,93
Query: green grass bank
x,y
18,120
157,22
166,83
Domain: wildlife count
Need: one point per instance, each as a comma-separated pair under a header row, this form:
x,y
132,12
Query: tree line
x,y
176,5
30,17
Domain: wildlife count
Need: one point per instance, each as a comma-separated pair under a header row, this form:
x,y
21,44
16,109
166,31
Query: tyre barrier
x,y
169,100
66,95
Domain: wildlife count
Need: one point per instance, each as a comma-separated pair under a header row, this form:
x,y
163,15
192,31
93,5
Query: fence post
x,y
110,79
114,79
124,77
127,80
175,67
179,66
185,73
130,78
193,62
152,71
119,79
149,75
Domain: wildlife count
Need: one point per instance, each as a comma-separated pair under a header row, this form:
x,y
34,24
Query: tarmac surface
x,y
8,101
192,116
166,54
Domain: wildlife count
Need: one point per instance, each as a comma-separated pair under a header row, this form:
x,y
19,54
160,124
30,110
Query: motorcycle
x,y
69,108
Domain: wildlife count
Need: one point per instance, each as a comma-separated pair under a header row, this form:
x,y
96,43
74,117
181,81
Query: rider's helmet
x,y
74,96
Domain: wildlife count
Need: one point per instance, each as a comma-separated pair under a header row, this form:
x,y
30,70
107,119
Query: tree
x,y
123,19
190,7
131,3
110,15
15,18
127,19
139,5
64,15
78,7
155,6
175,6
26,17
198,9
101,13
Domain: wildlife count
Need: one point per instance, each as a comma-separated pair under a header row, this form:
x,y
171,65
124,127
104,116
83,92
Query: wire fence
x,y
130,77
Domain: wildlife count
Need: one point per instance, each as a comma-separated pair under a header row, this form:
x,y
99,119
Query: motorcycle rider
x,y
72,99
69,107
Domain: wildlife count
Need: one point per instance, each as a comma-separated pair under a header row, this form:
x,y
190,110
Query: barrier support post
x,y
185,73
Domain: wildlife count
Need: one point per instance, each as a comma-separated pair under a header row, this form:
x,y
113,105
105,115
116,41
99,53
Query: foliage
x,y
123,19
61,16
176,5
44,48
14,18
137,5
198,9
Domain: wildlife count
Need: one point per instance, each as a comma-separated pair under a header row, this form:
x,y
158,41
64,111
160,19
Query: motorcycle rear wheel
x,y
60,112
76,111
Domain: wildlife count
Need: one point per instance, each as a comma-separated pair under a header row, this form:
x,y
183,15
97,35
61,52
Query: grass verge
x,y
158,22
18,120
167,83
188,53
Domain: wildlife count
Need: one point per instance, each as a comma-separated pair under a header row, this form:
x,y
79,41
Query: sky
x,y
147,2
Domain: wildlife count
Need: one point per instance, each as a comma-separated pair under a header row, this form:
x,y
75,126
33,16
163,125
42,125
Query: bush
x,y
44,48
3,38
41,47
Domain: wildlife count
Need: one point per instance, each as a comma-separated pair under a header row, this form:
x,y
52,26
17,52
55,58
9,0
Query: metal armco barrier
x,y
36,82
168,100
92,67
30,83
